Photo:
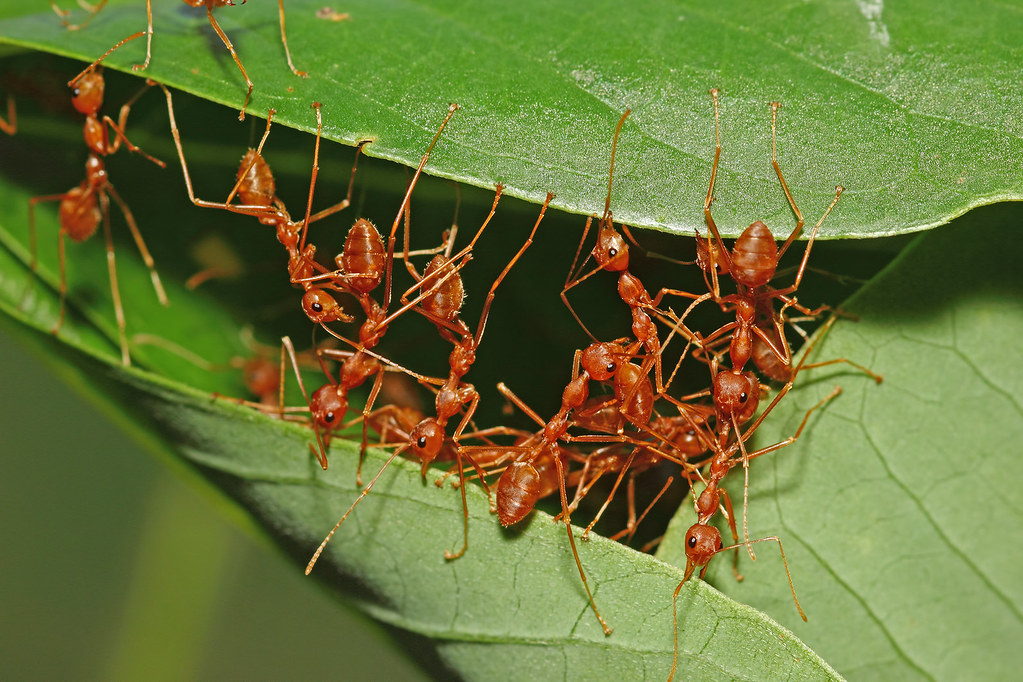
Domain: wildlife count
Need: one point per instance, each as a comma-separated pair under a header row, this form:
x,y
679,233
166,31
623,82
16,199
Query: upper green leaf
x,y
907,106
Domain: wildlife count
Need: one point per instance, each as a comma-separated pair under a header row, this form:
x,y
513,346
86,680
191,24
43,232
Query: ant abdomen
x,y
630,378
363,257
766,360
447,296
256,182
79,213
754,256
518,489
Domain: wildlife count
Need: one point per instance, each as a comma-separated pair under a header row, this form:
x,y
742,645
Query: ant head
x,y
610,251
87,93
426,440
600,360
736,394
256,182
320,307
702,543
328,406
518,489
754,256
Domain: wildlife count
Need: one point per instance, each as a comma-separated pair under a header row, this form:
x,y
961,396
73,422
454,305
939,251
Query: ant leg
x,y
785,563
711,225
10,126
115,291
234,55
137,236
284,41
809,242
571,540
32,241
610,495
366,409
500,278
149,38
365,491
452,108
730,515
784,186
119,135
93,10
630,530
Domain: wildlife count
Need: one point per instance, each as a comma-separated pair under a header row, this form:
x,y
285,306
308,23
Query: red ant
x,y
518,488
83,207
362,265
209,5
428,437
256,189
753,261
611,252
703,540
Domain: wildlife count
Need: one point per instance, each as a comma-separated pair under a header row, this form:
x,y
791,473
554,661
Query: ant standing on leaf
x,y
83,207
210,5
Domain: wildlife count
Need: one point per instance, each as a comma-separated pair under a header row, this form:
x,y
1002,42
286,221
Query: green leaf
x,y
913,149
514,602
899,505
906,106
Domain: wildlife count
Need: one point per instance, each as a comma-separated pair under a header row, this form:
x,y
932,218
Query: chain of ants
x,y
623,432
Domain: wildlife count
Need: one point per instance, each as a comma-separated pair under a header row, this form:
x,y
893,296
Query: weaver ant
x,y
255,188
82,208
210,5
519,489
428,436
611,252
362,265
703,540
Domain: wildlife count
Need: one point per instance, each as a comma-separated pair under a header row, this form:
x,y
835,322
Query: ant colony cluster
x,y
619,415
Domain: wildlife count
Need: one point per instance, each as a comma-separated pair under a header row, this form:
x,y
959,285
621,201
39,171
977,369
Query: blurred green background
x,y
114,568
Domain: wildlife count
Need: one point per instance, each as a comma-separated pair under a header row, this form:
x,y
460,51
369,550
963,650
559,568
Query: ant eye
x,y
317,307
612,252
743,397
421,442
611,366
76,92
691,432
692,541
329,417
